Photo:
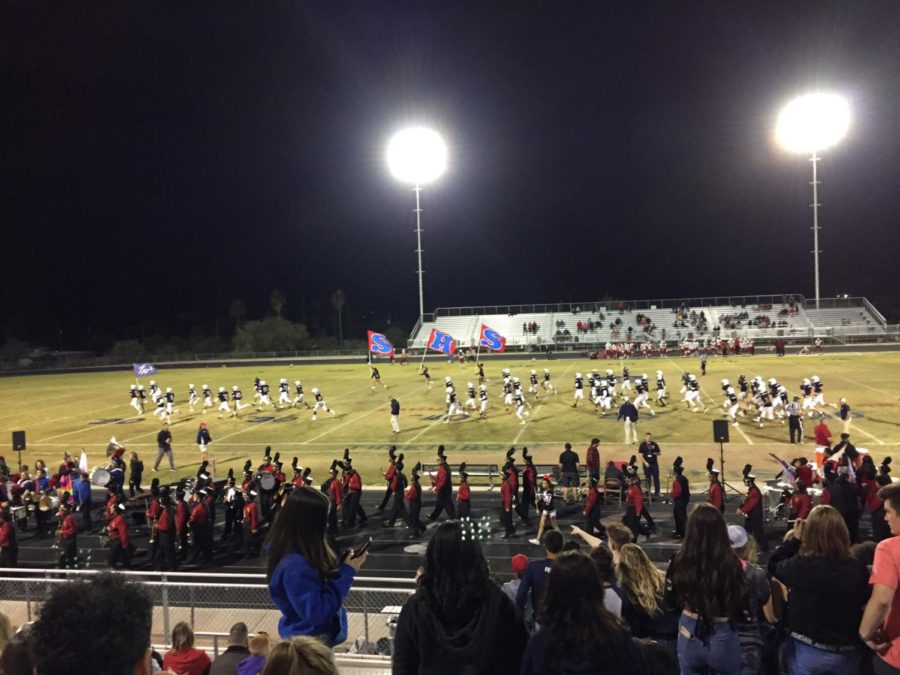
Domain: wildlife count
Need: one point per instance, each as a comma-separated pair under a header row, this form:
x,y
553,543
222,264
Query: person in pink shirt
x,y
880,625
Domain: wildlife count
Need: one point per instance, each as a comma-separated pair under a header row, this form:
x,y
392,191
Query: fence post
x,y
165,606
365,601
192,606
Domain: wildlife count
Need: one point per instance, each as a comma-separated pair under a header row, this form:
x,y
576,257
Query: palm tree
x,y
277,301
238,311
338,300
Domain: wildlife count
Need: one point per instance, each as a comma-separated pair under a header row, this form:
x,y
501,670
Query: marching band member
x,y
181,520
463,494
715,494
9,547
634,503
529,488
397,488
199,524
388,477
591,511
681,495
413,500
442,485
233,505
67,537
333,488
119,548
800,503
752,510
506,497
250,525
353,485
152,514
165,533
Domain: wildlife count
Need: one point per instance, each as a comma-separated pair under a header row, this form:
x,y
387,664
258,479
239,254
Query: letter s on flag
x,y
440,341
379,344
491,339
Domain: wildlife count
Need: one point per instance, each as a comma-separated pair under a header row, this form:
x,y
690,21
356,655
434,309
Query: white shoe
x,y
534,541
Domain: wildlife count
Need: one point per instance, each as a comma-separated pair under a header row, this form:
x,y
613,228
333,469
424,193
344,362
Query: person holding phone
x,y
307,580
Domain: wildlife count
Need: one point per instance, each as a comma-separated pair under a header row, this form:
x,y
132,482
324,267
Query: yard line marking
x,y
856,427
862,384
736,428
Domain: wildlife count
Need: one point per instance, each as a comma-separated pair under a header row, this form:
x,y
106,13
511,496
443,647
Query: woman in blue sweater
x,y
307,582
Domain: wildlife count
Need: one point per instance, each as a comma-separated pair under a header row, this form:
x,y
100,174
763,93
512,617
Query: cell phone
x,y
362,549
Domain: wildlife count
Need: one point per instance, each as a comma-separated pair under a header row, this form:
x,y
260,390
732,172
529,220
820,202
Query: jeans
x,y
651,472
802,659
721,655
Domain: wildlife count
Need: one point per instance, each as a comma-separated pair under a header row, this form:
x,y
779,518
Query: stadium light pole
x,y
808,125
418,156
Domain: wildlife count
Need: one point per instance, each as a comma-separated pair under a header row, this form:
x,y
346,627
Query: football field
x,y
71,412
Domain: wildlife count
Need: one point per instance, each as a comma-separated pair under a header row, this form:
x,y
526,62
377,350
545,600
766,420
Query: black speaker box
x,y
720,431
18,440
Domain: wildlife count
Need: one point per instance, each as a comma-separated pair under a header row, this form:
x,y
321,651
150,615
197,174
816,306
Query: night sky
x,y
160,159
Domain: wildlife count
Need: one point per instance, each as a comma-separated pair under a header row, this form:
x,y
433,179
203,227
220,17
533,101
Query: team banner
x,y
379,344
440,341
143,369
491,339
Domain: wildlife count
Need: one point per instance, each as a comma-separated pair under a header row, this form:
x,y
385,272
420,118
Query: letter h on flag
x,y
379,344
491,339
440,341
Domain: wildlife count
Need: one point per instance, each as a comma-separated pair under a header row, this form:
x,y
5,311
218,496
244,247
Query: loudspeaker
x,y
720,431
18,440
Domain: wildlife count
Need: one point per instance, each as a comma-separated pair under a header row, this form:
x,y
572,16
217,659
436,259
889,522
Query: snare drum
x,y
100,477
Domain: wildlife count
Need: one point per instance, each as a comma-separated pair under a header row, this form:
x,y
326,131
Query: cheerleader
x,y
545,504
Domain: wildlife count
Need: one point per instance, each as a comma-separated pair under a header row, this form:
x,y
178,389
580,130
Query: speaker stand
x,y
726,486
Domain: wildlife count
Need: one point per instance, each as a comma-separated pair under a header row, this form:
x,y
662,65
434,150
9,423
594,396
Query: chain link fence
x,y
211,607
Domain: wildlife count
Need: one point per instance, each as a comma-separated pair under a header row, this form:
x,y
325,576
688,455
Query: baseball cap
x,y
737,536
519,563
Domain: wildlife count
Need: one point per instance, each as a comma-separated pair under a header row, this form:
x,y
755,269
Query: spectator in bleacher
x,y
828,588
306,580
227,662
534,581
707,585
300,656
259,651
613,596
101,626
643,584
753,626
579,634
880,626
184,658
458,620
519,562
16,658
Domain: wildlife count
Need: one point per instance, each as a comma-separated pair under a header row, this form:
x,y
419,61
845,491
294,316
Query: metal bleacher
x,y
673,320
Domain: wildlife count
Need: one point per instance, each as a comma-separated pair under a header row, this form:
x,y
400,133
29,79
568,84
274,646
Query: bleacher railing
x,y
212,603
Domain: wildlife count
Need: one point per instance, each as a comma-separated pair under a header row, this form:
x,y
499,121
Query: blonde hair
x,y
6,631
182,637
619,535
643,582
259,644
300,656
748,552
825,534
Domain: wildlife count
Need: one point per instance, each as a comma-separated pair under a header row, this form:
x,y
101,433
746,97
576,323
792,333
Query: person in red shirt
x,y
119,550
181,518
68,538
634,504
152,515
414,504
250,525
715,494
198,522
335,492
112,498
681,495
443,487
880,625
397,488
388,477
800,503
165,533
803,471
9,548
463,494
591,511
822,434
183,658
354,485
529,488
506,497
752,510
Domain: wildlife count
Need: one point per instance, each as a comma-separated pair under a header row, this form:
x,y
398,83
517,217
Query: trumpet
x,y
152,531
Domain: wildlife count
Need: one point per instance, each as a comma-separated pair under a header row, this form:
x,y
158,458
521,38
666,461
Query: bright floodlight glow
x,y
417,155
813,122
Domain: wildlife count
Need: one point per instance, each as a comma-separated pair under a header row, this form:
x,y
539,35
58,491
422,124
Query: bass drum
x,y
100,477
267,482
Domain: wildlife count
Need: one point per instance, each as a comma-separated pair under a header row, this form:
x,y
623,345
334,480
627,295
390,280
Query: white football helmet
x,y
234,387
134,386
205,386
483,387
221,388
168,390
316,390
296,381
815,378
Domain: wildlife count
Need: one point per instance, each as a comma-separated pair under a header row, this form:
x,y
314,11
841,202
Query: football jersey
x,y
471,392
817,386
660,383
192,392
170,397
299,388
319,396
546,377
732,398
520,399
284,387
134,393
263,390
223,396
237,395
484,394
206,392
579,383
694,385
534,378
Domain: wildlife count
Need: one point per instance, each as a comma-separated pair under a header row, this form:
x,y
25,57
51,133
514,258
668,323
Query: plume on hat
x,y
392,451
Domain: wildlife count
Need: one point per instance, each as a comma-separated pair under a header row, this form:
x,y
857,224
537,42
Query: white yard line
x,y
856,427
862,384
736,428
523,427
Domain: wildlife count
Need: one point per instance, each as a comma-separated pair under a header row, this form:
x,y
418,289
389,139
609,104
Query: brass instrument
x,y
104,537
43,503
57,537
152,531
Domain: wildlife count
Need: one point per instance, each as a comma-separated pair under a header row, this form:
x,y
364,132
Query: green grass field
x,y
74,411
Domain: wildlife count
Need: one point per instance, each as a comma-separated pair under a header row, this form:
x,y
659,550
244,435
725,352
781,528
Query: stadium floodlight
x,y
808,125
417,155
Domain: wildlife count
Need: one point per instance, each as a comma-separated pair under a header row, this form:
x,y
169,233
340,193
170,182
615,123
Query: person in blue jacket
x,y
307,582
